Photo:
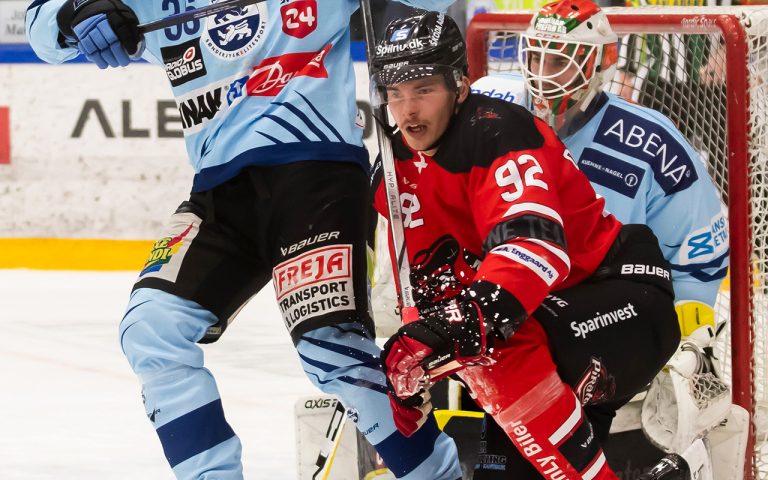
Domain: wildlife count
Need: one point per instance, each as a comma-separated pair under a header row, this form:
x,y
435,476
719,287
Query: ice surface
x,y
71,406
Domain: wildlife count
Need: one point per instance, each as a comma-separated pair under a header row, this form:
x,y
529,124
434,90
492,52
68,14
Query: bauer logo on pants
x,y
315,283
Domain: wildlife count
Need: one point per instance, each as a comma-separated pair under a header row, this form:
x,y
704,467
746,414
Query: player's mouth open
x,y
416,129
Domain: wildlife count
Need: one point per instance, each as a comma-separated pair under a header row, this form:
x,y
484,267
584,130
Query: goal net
x,y
707,69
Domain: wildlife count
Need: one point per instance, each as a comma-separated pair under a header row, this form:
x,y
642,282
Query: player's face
x,y
422,109
556,70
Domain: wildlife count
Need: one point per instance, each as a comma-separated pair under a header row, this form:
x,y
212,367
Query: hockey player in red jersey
x,y
551,311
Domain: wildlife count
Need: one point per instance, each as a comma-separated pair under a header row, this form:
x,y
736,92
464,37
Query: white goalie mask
x,y
567,55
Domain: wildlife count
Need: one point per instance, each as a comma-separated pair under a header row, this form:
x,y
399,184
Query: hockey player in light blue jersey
x,y
265,93
634,156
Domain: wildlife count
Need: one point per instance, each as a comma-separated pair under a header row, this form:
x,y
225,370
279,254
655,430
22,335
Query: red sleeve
x,y
379,197
517,210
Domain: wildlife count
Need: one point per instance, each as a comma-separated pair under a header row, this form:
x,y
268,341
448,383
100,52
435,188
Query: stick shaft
x,y
195,14
390,183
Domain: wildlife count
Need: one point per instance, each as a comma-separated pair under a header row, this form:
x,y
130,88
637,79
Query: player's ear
x,y
463,90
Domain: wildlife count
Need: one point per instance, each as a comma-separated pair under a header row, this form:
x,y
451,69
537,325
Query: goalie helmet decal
x,y
567,55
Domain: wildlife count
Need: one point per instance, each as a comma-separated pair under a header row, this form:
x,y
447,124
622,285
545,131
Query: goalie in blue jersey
x,y
648,173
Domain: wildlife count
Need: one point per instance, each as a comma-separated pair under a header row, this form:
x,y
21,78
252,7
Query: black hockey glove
x,y
105,31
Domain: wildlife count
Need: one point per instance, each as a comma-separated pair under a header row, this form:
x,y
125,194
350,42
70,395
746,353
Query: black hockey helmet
x,y
426,44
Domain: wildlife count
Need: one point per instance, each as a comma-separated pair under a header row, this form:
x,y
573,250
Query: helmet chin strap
x,y
580,107
389,130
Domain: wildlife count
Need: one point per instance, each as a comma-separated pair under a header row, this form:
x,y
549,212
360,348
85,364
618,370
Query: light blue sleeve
x,y
691,226
434,5
43,32
648,173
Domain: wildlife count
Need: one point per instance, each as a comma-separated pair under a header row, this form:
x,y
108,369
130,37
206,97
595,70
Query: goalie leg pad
x,y
728,445
344,361
687,398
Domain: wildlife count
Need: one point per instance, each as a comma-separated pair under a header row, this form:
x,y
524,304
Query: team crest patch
x,y
163,251
484,113
596,384
234,33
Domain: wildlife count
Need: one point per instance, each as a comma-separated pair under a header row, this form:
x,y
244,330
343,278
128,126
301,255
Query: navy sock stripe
x,y
409,453
329,367
357,382
194,433
346,350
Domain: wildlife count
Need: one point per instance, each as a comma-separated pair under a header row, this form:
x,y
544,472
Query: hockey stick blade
x,y
332,439
195,14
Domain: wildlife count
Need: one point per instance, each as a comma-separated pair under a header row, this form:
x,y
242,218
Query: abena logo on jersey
x,y
273,74
198,107
183,62
650,142
233,33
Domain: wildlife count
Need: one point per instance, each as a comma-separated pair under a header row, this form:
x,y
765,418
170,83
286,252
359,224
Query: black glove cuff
x,y
119,15
64,19
501,312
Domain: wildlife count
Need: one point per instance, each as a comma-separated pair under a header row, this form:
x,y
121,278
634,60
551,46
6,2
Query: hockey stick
x,y
327,453
409,311
195,14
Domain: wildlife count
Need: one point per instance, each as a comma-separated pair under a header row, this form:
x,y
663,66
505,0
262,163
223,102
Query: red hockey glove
x,y
410,414
425,351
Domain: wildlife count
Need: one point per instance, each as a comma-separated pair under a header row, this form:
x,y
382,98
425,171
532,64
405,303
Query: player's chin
x,y
419,141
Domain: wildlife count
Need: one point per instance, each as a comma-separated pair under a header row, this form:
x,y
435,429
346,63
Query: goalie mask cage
x,y
707,69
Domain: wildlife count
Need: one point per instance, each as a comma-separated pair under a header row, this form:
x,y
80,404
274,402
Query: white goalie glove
x,y
688,398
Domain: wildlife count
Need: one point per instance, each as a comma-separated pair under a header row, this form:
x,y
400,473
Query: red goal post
x,y
730,103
